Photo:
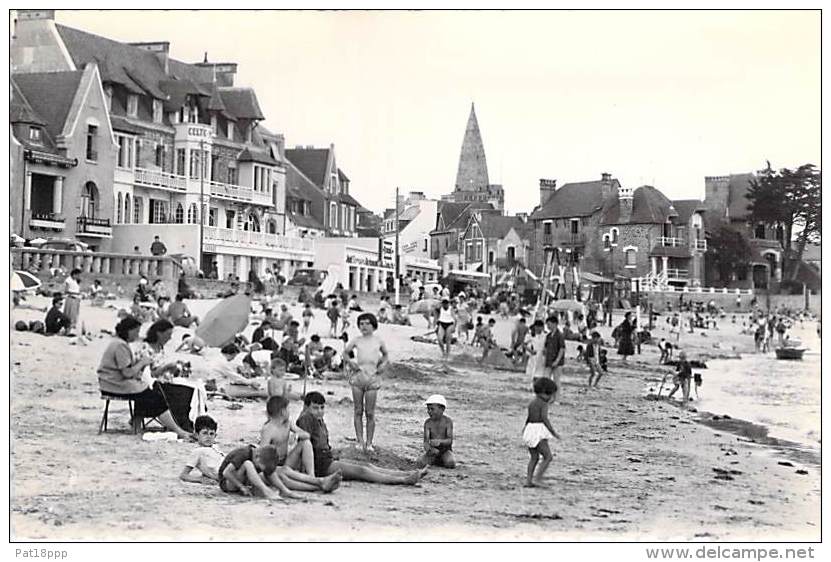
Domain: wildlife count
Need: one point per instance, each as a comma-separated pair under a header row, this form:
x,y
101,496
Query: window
x,y
34,134
118,203
614,236
180,161
180,214
127,208
137,210
212,212
631,257
759,231
425,245
89,200
158,211
124,152
108,94
667,230
193,214
132,105
229,219
232,175
257,178
195,164
333,215
92,145
231,130
157,111
546,228
138,153
253,223
213,124
575,226
160,156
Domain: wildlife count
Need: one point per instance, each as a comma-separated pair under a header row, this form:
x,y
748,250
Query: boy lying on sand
x,y
311,420
206,458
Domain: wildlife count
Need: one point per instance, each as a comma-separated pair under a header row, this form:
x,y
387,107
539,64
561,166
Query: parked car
x,y
307,277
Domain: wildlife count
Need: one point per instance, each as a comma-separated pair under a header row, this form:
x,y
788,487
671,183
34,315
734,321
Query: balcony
x,y
251,239
160,180
94,227
571,239
669,242
675,274
46,220
701,245
239,193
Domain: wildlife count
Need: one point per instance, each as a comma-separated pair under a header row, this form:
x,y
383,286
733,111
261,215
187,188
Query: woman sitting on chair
x,y
120,376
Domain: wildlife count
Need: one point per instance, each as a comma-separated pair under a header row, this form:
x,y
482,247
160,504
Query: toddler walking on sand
x,y
538,430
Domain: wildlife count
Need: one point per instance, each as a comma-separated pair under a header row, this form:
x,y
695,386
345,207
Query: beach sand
x,y
628,467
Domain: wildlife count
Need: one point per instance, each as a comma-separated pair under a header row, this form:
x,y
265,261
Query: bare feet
x,y
289,495
369,449
330,483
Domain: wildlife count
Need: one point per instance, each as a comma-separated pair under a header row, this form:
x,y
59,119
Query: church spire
x,y
473,168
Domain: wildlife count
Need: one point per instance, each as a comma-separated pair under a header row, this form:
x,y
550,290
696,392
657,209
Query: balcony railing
x,y
572,239
239,193
251,238
671,242
701,245
46,219
157,178
94,226
675,273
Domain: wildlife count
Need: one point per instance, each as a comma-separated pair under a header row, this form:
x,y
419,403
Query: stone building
x,y
494,243
445,239
328,188
725,198
472,183
62,145
604,228
192,163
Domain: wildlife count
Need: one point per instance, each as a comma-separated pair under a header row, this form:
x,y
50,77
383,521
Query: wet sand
x,y
628,467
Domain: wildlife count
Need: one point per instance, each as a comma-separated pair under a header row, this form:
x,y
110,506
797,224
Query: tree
x,y
792,199
728,251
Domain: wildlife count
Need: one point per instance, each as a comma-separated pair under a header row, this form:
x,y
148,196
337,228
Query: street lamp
x,y
201,203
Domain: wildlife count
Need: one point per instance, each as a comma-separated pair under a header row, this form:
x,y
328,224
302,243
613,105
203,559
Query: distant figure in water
x,y
683,374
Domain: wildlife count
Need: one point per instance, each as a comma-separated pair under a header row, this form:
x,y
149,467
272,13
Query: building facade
x,y
191,162
63,147
354,262
446,238
609,230
495,244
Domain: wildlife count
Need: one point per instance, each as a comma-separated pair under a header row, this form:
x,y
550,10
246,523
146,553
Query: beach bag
x,y
37,327
21,326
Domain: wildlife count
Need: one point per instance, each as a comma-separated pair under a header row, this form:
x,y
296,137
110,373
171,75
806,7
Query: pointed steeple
x,y
473,168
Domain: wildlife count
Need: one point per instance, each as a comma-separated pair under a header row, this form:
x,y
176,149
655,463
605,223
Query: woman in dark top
x,y
626,328
254,283
119,375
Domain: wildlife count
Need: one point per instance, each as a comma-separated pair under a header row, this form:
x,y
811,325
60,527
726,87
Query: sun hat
x,y
436,399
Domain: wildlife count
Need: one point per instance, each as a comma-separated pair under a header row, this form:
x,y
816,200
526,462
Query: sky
x,y
657,98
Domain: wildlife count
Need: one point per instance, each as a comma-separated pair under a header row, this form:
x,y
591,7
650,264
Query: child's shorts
x,y
534,433
365,381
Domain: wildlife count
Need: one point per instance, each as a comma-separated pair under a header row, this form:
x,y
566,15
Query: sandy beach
x,y
628,467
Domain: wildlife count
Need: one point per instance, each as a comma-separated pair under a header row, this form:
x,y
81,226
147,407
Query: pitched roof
x,y
450,210
461,220
50,95
649,206
305,221
349,200
122,124
737,195
342,176
177,91
311,161
19,109
685,209
579,199
248,155
295,178
498,226
241,102
138,70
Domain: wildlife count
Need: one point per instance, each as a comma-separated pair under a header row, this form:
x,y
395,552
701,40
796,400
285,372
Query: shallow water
x,y
783,396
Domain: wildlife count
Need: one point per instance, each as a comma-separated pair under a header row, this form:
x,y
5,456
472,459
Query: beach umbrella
x,y
23,281
225,320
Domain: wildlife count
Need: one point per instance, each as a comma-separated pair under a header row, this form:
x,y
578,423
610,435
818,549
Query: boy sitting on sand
x,y
206,458
251,467
275,432
438,434
325,464
398,316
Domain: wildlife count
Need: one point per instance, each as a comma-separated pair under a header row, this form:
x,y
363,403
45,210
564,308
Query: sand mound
x,y
381,457
494,360
404,372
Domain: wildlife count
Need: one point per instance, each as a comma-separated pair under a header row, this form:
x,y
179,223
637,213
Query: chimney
x,y
606,185
625,197
161,50
225,71
547,189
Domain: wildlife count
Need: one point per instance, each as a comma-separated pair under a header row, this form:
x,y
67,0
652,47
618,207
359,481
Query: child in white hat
x,y
438,434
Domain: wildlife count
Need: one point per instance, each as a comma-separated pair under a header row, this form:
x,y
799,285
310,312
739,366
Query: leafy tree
x,y
792,199
728,251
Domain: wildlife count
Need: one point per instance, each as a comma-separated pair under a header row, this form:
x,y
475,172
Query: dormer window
x,y
157,111
132,105
230,130
108,94
34,135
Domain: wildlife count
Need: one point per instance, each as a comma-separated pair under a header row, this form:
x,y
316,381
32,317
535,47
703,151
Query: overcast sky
x,y
658,98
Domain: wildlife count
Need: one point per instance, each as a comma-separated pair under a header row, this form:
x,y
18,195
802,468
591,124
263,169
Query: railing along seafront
x,y
41,260
253,238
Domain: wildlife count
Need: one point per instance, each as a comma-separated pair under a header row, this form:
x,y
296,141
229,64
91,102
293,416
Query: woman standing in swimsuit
x,y
445,319
369,361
